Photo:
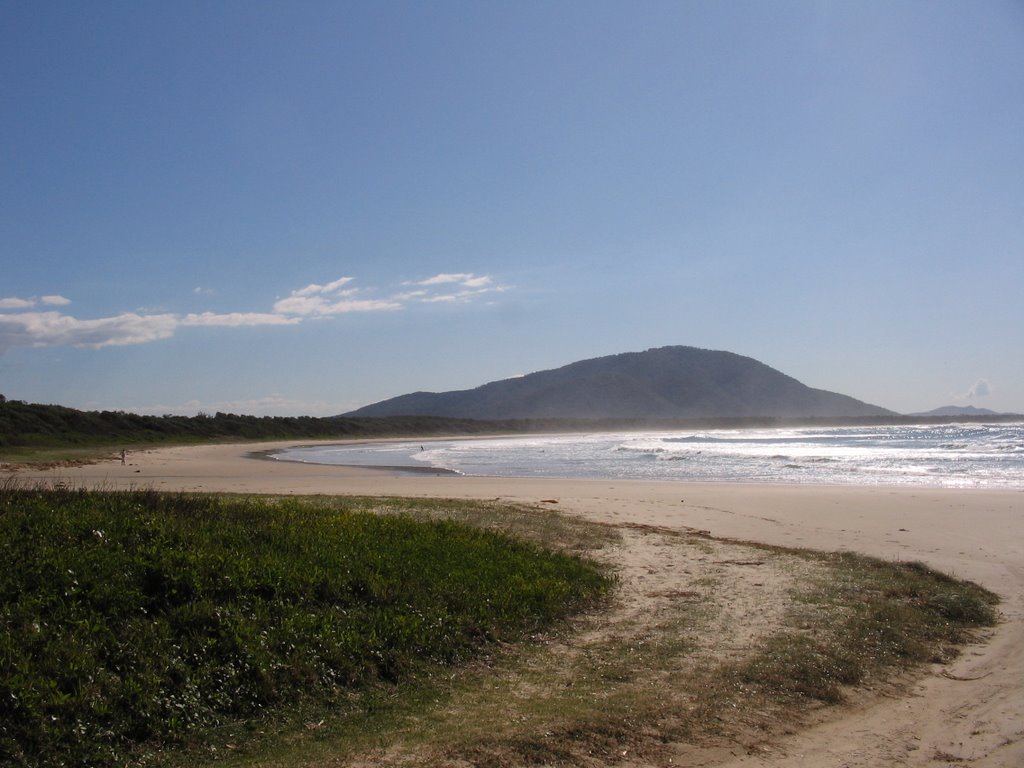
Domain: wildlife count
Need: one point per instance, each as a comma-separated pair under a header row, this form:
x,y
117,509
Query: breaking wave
x,y
982,456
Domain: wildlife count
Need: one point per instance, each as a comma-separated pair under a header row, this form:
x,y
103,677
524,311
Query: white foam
x,y
944,455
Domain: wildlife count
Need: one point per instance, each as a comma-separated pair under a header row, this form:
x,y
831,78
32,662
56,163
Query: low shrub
x,y
137,617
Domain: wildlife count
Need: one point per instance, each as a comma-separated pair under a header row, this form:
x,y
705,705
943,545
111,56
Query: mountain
x,y
665,383
958,410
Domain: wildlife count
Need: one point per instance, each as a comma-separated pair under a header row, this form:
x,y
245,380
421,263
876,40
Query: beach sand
x,y
968,712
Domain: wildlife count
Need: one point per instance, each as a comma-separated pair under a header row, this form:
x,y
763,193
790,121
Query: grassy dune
x,y
139,628
130,621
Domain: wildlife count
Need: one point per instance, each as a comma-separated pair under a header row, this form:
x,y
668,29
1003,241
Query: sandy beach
x,y
969,712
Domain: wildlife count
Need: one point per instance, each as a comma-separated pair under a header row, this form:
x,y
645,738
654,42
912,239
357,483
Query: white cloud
x,y
446,278
363,305
472,285
410,295
441,298
15,303
443,279
49,329
980,388
323,300
300,305
314,289
460,297
54,328
316,306
236,319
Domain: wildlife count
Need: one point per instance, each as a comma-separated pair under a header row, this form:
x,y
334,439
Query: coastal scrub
x,y
130,620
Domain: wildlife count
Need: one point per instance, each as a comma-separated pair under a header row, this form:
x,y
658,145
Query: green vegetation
x,y
133,621
27,428
149,629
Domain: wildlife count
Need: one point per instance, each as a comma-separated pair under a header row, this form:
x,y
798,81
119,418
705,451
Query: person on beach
x,y
123,453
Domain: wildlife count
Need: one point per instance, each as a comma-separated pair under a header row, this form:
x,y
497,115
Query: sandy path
x,y
972,716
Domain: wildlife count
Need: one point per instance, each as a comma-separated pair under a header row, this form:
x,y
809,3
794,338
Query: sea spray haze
x,y
953,455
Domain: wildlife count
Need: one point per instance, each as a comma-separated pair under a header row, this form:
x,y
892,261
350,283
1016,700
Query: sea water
x,y
950,455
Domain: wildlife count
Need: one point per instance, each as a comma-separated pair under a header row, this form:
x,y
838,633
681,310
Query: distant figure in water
x,y
421,447
123,452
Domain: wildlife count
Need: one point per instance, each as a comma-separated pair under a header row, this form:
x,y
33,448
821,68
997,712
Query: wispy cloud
x,y
236,319
323,300
22,328
445,278
411,295
465,279
51,329
459,288
16,303
314,289
980,388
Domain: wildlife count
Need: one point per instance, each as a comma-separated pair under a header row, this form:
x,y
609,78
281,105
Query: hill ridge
x,y
659,383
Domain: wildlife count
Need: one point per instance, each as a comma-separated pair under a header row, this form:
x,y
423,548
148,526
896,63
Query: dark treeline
x,y
30,425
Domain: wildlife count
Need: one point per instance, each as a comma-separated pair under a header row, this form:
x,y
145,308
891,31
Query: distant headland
x,y
666,383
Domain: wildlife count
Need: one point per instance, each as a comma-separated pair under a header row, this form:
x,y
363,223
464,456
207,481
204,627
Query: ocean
x,y
949,455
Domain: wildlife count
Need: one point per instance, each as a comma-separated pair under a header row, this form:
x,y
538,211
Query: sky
x,y
301,208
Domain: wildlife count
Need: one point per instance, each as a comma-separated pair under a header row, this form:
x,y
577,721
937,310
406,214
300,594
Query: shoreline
x,y
928,460
431,470
412,469
748,510
974,711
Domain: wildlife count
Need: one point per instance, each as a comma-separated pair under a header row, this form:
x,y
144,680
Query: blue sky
x,y
301,208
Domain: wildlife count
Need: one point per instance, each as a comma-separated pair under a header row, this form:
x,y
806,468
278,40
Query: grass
x,y
866,618
861,622
642,689
133,621
296,632
55,456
